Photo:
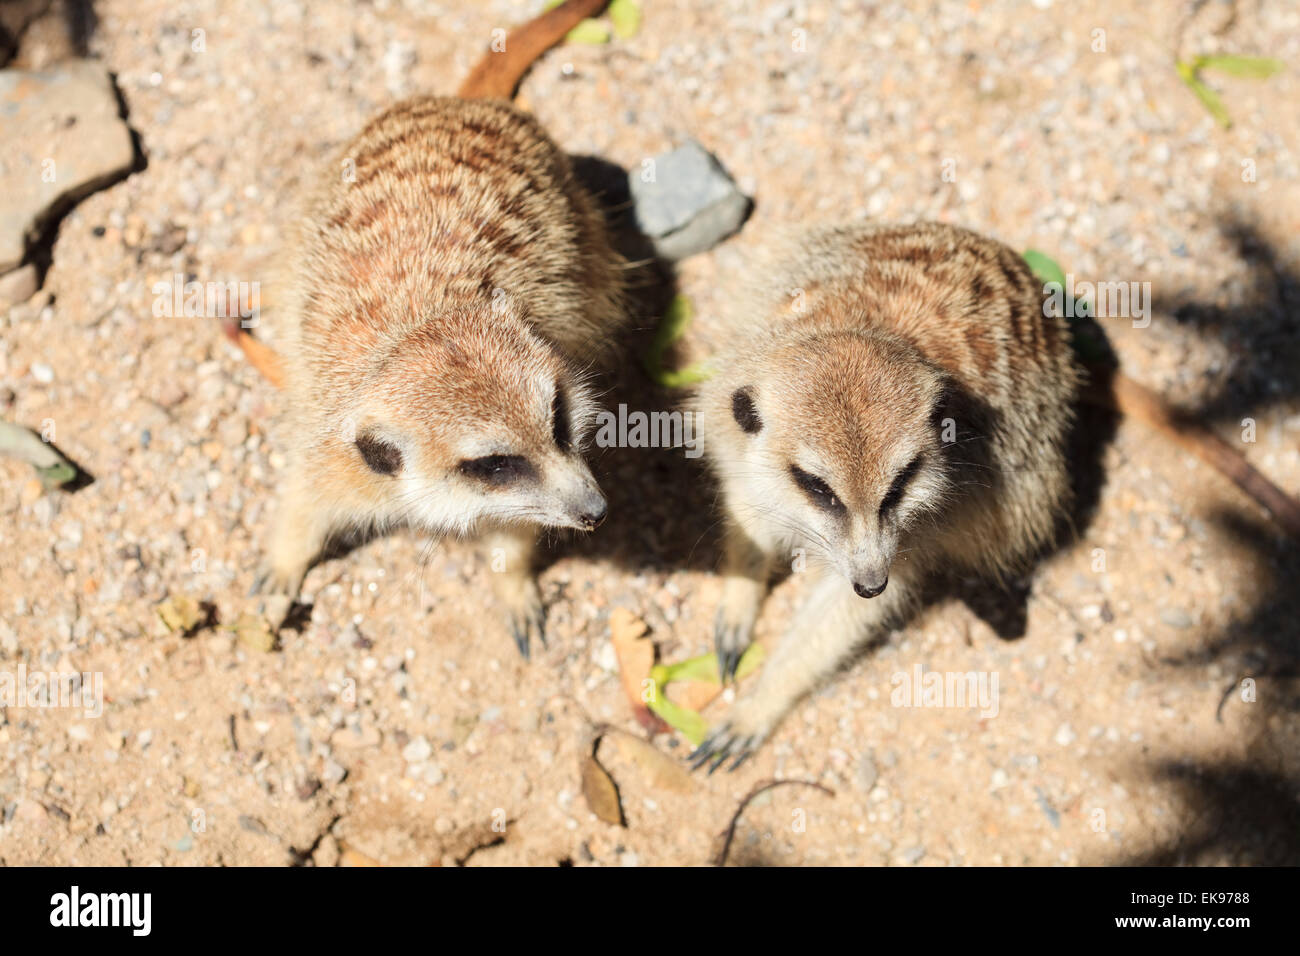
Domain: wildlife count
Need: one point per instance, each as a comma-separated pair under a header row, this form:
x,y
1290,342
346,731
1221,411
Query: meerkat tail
x,y
498,73
1116,391
260,355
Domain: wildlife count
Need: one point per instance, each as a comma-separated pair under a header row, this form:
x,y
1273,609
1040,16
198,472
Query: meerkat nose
x,y
594,514
869,591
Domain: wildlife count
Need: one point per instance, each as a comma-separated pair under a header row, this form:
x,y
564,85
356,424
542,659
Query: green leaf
x,y
1253,67
1044,267
1187,72
626,17
589,32
705,667
56,475
671,327
692,726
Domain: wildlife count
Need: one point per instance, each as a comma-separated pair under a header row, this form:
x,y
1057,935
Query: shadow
x,y
1261,333
1247,811
1263,828
661,512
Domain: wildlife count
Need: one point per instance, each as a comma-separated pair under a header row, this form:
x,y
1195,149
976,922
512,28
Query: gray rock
x,y
685,202
63,140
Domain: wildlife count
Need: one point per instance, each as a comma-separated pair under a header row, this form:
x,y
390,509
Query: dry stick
x,y
1115,390
260,355
766,785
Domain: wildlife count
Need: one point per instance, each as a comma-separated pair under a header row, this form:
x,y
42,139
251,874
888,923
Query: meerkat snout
x,y
869,591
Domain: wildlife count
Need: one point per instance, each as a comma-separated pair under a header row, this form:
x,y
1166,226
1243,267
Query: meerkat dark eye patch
x,y
817,490
383,458
497,470
560,421
895,493
744,412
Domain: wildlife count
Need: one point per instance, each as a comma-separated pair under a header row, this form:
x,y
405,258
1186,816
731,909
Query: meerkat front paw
x,y
742,733
525,617
279,589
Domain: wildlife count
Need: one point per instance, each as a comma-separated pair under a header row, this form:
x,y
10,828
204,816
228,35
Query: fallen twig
x,y
260,355
1115,390
730,833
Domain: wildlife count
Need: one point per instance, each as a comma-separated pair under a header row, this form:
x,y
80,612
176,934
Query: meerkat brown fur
x,y
895,402
451,282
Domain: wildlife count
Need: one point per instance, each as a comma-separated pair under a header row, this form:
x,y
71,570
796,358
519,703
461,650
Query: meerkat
x,y
894,402
450,283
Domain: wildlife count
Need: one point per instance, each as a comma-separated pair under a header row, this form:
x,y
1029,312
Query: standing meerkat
x,y
895,401
449,284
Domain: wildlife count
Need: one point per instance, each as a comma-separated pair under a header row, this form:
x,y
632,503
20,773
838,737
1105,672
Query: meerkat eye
x,y
817,490
743,410
497,469
560,421
895,493
380,456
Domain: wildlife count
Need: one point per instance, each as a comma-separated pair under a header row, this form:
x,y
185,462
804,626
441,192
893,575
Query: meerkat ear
x,y
381,457
743,410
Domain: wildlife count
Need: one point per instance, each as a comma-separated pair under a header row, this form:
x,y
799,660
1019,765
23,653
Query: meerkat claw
x,y
730,646
523,627
727,661
720,745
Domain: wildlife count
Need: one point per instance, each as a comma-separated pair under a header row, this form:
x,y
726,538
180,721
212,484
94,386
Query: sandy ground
x,y
400,723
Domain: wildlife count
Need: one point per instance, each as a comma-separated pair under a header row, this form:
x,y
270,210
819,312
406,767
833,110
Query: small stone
x,y
685,201
417,751
1065,735
913,855
867,774
42,373
333,772
31,492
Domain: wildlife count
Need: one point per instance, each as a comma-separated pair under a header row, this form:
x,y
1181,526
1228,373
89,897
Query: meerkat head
x,y
839,447
459,426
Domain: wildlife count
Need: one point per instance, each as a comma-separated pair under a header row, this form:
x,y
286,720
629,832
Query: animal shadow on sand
x,y
1246,810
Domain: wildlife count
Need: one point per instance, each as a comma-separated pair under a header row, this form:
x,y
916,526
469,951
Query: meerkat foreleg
x,y
745,571
303,525
510,556
825,630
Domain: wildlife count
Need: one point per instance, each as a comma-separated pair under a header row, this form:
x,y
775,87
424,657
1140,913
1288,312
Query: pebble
x,y
913,855
685,202
417,751
867,774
